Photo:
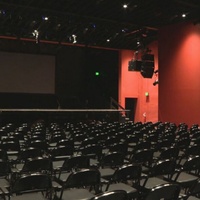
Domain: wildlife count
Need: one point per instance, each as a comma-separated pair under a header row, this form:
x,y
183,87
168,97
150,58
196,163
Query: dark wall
x,y
77,86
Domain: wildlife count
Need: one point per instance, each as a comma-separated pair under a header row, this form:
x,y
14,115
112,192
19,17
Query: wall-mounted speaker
x,y
134,65
147,69
148,57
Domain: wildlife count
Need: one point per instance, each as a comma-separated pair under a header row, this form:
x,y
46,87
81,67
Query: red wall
x,y
133,85
179,73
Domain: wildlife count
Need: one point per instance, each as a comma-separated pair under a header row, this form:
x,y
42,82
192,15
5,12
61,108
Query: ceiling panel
x,y
102,23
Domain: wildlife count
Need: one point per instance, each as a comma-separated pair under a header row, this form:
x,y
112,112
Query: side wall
x,y
133,85
179,60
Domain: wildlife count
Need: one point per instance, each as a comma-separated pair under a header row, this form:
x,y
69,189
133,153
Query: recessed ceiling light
x,y
45,18
125,6
183,15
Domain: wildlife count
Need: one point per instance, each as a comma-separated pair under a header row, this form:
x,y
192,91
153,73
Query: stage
x,y
61,115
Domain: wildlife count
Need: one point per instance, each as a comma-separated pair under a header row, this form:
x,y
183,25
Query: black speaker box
x,y
148,57
147,69
134,65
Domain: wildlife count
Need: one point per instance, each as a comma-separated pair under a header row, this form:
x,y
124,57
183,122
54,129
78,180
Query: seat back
x,y
112,159
121,147
112,195
128,172
192,163
3,155
169,153
28,153
195,189
163,167
164,191
83,178
4,168
61,151
38,164
31,183
144,156
93,150
76,162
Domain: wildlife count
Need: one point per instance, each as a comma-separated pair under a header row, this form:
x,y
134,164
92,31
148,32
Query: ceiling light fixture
x,y
74,39
183,15
36,35
2,12
45,18
125,6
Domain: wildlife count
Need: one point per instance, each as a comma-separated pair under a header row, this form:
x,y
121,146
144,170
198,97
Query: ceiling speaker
x,y
134,65
147,69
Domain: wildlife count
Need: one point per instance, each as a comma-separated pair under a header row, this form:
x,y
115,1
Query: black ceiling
x,y
101,23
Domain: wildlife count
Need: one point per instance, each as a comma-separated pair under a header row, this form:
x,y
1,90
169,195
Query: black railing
x,y
124,114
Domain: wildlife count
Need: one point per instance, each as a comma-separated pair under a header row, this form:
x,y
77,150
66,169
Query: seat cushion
x,y
153,181
77,194
29,196
106,173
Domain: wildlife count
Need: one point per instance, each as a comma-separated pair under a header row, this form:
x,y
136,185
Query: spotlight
x,y
36,35
155,82
74,39
45,18
156,71
125,6
183,15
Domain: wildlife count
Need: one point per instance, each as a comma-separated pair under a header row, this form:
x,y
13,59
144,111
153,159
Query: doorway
x,y
130,104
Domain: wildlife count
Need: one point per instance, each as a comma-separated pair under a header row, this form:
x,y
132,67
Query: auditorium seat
x,y
163,191
111,195
32,186
82,184
127,178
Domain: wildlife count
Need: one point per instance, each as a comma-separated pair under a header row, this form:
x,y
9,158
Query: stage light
x,y
156,71
36,35
125,6
155,82
74,39
183,15
45,18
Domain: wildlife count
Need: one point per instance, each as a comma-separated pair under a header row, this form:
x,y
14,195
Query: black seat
x,y
60,152
38,164
120,147
188,173
168,153
92,150
125,178
190,151
82,184
193,193
5,170
32,186
160,173
143,157
3,155
29,152
40,144
164,191
112,195
73,163
109,162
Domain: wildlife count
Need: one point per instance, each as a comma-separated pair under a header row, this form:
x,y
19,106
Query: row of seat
x,y
155,161
87,184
